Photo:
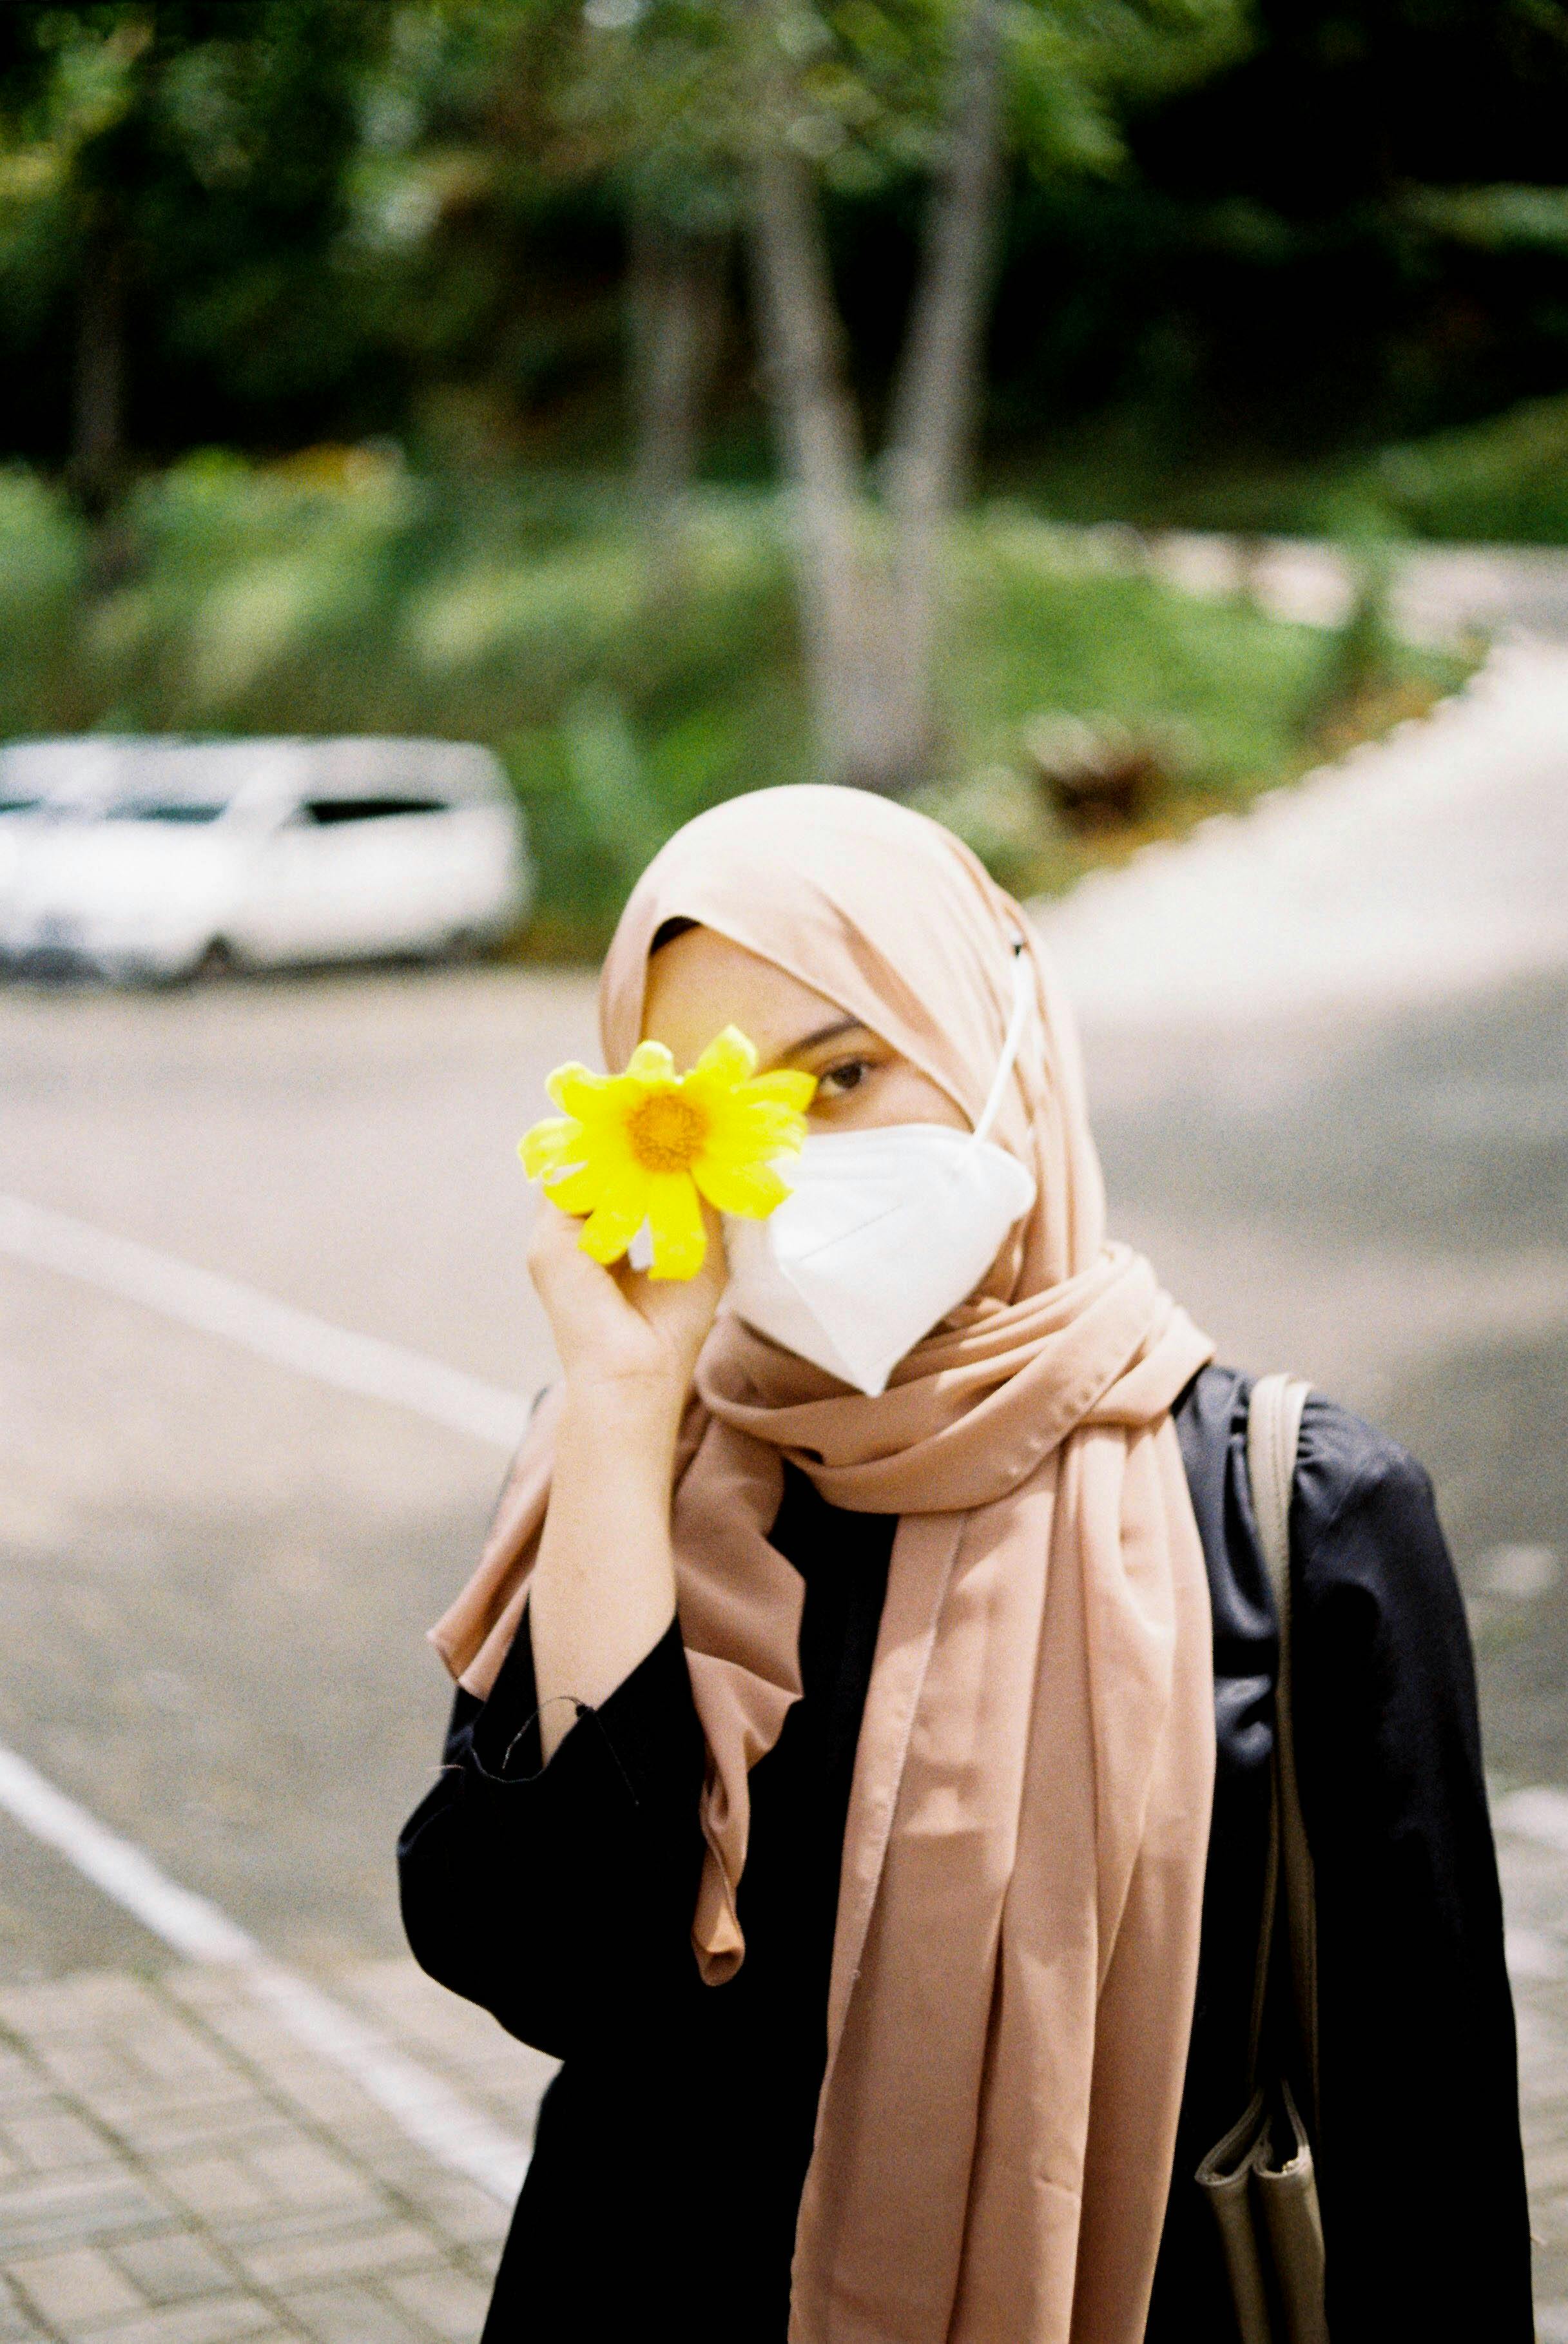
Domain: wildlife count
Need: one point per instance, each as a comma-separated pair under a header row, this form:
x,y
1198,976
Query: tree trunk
x,y
870,624
677,288
843,585
98,420
931,433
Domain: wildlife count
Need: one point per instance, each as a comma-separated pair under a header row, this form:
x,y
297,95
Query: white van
x,y
155,859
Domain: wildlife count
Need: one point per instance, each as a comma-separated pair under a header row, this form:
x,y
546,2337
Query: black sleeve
x,y
1420,2166
560,1898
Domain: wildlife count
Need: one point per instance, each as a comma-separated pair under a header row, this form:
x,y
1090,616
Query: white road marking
x,y
437,2119
1538,1814
1532,1954
427,2109
273,1330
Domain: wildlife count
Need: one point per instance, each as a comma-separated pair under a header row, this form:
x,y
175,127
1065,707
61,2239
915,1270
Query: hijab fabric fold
x,y
1016,1942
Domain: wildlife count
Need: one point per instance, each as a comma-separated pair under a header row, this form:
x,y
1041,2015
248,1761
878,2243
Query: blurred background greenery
x,y
688,395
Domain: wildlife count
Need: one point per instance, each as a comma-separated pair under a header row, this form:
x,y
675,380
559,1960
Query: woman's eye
x,y
845,1078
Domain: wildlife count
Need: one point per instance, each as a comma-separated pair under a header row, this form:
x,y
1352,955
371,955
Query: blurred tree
x,y
1209,265
707,117
186,155
943,91
1346,234
676,282
870,608
521,141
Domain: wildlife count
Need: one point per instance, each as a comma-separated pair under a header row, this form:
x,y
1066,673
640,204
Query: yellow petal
x,y
752,1190
621,1209
651,1063
578,1189
729,1059
741,1131
784,1085
549,1143
675,1225
576,1088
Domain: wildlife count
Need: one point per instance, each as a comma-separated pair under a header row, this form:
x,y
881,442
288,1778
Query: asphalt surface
x,y
216,1572
1382,1206
1328,1054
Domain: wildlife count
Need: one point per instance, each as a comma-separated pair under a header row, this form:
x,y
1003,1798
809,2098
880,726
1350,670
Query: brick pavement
x,y
1534,1867
174,2169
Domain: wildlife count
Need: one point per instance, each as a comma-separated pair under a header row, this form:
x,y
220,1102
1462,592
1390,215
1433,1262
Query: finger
x,y
684,1309
556,1260
714,1274
551,1234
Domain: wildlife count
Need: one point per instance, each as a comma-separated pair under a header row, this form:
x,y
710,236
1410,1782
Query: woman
x,y
894,1908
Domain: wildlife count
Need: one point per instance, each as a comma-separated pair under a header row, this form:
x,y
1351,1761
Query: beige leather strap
x,y
1273,1432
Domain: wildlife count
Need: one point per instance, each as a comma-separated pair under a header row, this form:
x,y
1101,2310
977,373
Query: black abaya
x,y
673,2146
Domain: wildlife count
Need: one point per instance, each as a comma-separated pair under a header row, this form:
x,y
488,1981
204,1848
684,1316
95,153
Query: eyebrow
x,y
824,1033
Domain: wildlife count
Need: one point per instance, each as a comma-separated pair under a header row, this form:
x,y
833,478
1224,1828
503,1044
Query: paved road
x,y
1328,1048
1328,1052
1443,595
215,1571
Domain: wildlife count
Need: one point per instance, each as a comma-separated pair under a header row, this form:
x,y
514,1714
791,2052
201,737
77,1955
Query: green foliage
x,y
339,216
1495,219
346,595
1506,479
1247,243
43,571
1079,66
199,150
510,143
1053,620
670,98
1064,623
1503,481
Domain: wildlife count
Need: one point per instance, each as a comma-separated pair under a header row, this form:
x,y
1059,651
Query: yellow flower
x,y
645,1144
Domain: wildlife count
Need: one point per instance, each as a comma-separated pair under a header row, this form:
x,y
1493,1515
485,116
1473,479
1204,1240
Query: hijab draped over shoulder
x,y
1017,1941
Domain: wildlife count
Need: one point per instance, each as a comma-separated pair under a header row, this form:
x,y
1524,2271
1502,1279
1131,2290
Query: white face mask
x,y
885,1231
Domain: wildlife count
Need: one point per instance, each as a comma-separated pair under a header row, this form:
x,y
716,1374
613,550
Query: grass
x,y
344,595
1501,480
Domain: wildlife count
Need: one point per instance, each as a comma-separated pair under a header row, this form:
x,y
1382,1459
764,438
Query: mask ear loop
x,y
1023,1000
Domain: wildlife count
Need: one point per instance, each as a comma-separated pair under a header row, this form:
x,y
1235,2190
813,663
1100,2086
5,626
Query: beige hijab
x,y
1023,1867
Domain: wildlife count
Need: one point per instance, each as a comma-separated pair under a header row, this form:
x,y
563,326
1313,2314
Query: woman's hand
x,y
616,1327
603,1589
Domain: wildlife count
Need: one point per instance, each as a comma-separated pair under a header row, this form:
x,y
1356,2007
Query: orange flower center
x,y
666,1132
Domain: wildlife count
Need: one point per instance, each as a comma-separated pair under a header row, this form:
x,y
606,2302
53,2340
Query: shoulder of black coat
x,y
1342,1463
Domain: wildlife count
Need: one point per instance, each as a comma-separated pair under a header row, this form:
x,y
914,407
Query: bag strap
x,y
1270,1905
1273,1433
